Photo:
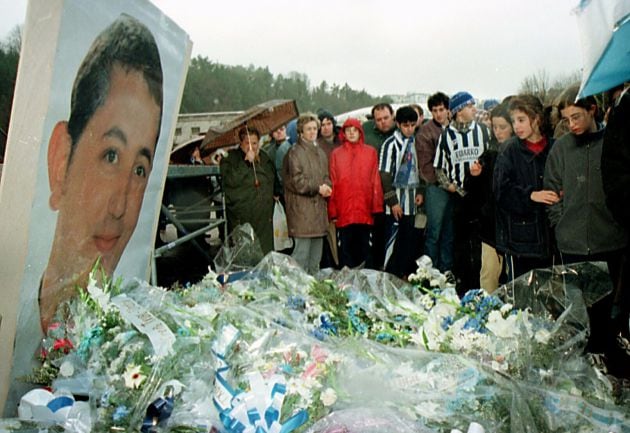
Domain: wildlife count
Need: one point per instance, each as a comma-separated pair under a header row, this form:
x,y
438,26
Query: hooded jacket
x,y
583,223
356,183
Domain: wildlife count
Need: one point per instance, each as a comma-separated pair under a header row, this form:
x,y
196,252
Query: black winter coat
x,y
616,161
522,224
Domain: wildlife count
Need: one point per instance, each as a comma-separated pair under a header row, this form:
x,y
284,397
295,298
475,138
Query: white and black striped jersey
x,y
389,162
456,150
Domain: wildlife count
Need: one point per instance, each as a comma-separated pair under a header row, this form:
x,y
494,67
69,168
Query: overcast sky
x,y
486,47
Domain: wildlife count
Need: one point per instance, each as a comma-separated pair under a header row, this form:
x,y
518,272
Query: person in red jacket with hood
x,y
357,193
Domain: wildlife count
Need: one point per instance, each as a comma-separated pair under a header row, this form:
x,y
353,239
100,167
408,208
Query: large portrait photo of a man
x,y
97,96
100,159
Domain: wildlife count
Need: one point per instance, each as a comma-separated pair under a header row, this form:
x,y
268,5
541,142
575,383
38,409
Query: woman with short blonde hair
x,y
306,187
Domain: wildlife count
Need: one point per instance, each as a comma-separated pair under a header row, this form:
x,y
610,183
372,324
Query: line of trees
x,y
9,57
212,87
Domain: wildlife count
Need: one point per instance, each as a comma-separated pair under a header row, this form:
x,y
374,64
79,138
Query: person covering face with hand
x,y
249,185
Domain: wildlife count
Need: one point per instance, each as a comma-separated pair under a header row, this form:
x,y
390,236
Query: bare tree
x,y
13,41
541,85
537,84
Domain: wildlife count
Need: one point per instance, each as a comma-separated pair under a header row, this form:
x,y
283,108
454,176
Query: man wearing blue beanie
x,y
459,147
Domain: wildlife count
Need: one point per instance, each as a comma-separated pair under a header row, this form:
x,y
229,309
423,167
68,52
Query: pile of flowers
x,y
277,350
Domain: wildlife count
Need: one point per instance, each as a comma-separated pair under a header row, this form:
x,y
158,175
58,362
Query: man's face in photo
x,y
100,195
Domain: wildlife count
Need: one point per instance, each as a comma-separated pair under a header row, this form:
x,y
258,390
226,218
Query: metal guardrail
x,y
189,214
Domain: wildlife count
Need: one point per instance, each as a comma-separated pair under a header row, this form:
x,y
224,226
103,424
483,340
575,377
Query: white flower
x,y
328,397
432,330
469,341
66,369
437,282
204,310
417,339
133,377
302,388
502,328
101,298
542,336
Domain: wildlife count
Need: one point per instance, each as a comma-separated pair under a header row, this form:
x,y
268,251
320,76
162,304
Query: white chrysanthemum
x,y
328,397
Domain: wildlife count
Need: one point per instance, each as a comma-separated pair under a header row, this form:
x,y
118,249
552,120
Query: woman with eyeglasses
x,y
584,226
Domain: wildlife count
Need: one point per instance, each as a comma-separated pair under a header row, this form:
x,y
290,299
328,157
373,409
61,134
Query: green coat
x,y
375,137
244,201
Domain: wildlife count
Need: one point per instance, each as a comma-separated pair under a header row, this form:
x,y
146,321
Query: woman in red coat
x,y
357,193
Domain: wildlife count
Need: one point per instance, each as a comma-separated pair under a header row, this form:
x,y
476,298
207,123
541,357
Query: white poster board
x,y
75,190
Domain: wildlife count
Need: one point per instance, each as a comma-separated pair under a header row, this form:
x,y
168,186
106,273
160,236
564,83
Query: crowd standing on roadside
x,y
502,190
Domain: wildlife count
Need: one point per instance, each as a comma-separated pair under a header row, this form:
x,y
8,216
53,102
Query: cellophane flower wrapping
x,y
276,349
367,420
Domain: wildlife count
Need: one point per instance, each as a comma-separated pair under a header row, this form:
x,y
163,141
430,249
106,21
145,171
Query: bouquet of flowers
x,y
277,350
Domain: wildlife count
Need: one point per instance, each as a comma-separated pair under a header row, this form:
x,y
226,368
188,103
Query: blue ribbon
x,y
239,410
294,422
59,402
278,388
271,415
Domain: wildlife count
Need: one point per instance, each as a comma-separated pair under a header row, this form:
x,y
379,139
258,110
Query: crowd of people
x,y
487,194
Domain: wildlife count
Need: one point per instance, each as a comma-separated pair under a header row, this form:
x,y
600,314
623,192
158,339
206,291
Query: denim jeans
x,y
438,242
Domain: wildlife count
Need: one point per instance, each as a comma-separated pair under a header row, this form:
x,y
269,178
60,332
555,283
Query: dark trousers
x,y
518,265
377,243
603,334
354,247
327,261
466,245
403,259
